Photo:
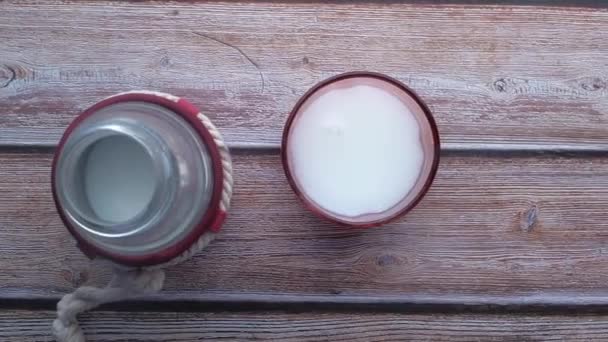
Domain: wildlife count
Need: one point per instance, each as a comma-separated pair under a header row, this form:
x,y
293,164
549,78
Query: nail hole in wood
x,y
7,75
386,260
165,61
593,84
500,85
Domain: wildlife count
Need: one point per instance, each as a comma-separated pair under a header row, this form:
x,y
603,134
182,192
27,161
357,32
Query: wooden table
x,y
510,244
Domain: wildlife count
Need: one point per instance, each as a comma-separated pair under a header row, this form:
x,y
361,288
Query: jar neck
x,y
78,154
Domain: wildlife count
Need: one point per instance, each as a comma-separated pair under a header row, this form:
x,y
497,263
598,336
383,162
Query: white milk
x,y
118,178
356,150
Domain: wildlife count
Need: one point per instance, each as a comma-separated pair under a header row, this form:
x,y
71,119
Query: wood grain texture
x,y
525,227
521,77
29,326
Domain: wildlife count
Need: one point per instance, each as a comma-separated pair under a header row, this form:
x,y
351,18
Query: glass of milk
x,y
360,149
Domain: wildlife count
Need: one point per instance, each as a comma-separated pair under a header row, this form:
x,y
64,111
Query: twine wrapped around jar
x,y
131,281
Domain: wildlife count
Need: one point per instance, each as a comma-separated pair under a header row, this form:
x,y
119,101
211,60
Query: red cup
x,y
429,141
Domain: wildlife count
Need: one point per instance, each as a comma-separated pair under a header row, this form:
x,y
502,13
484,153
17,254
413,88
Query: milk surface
x,y
356,150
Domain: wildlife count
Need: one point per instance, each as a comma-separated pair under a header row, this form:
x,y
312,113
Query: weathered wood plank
x,y
521,77
100,326
511,226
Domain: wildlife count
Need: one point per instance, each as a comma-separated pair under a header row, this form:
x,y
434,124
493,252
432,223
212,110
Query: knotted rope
x,y
129,283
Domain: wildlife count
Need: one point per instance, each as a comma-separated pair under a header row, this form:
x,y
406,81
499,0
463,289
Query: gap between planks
x,y
547,303
446,148
529,3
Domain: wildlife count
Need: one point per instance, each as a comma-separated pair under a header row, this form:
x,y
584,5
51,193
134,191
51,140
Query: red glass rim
x,y
430,176
211,220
